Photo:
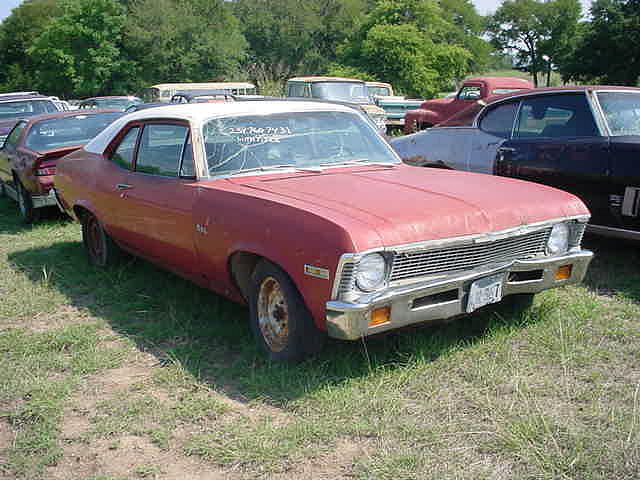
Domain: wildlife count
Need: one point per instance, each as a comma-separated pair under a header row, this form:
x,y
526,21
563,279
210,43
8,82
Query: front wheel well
x,y
242,265
80,212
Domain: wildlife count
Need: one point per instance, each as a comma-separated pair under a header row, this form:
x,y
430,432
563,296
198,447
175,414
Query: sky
x,y
482,6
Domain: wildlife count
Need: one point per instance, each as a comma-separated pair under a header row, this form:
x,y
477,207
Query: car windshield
x,y
236,145
25,108
622,112
341,92
380,91
67,131
117,103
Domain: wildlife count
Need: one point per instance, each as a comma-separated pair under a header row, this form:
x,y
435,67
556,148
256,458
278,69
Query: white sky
x,y
483,6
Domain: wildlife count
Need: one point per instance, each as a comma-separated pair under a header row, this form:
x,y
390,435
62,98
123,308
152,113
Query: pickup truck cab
x,y
338,89
394,106
432,112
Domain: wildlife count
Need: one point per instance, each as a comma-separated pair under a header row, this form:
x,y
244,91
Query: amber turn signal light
x,y
564,272
380,316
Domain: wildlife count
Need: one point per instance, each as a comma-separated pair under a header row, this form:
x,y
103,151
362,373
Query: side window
x,y
556,116
499,121
123,154
469,93
161,149
12,140
296,89
188,168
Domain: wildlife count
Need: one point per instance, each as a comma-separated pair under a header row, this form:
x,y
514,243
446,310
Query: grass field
x,y
134,373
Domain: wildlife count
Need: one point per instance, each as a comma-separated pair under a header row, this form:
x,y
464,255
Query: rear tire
x,y
102,251
280,321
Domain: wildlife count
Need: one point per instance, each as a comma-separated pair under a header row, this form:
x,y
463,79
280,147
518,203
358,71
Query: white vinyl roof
x,y
198,113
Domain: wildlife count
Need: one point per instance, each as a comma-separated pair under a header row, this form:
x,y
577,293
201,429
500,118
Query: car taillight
x,y
41,172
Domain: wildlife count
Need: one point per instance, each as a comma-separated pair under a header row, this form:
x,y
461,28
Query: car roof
x,y
202,93
111,97
70,113
23,96
200,112
497,82
324,79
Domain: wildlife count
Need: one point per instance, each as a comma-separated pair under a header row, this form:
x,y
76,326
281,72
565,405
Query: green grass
x,y
92,362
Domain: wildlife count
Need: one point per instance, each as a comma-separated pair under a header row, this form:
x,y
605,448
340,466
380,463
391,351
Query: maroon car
x,y
303,210
29,154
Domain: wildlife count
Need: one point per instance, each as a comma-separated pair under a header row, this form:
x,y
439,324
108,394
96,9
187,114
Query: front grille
x,y
467,257
347,279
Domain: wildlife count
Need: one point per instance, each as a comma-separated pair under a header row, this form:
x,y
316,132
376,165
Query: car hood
x,y
437,101
404,204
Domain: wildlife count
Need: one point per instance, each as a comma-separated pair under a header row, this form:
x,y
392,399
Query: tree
x,y
608,50
533,29
17,33
184,41
409,44
286,40
79,53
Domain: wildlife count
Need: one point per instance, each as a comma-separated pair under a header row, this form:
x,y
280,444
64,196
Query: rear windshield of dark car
x,y
67,131
25,108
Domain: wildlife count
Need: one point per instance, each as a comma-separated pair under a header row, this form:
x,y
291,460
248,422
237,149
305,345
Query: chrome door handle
x,y
506,149
123,186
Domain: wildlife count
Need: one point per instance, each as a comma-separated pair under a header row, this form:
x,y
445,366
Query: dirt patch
x,y
129,456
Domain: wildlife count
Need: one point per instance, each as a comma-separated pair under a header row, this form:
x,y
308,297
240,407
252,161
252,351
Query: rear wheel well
x,y
80,212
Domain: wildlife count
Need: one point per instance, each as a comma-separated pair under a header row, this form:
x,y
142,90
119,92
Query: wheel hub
x,y
273,314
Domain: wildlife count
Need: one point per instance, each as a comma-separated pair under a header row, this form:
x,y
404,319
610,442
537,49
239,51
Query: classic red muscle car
x,y
305,212
29,154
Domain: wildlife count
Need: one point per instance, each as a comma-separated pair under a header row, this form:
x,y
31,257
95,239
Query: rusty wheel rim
x,y
95,240
273,314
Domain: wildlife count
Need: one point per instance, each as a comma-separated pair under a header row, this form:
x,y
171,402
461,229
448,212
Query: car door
x,y
495,125
621,115
557,142
9,151
159,195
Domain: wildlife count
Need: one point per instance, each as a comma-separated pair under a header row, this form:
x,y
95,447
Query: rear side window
x,y
556,116
499,121
296,89
161,149
123,154
12,139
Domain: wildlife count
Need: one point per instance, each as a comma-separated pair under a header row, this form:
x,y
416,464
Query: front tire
x,y
25,204
102,251
280,321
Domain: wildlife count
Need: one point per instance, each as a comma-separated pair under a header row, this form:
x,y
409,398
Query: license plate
x,y
485,291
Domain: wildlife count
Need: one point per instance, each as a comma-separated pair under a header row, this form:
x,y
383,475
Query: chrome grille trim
x,y
468,256
576,233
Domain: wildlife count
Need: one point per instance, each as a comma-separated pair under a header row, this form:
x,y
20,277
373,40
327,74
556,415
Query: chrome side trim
x,y
614,232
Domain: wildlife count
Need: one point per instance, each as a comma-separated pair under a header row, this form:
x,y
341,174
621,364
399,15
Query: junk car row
x,y
303,211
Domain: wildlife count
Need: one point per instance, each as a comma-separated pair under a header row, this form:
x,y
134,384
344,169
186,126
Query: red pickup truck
x,y
438,110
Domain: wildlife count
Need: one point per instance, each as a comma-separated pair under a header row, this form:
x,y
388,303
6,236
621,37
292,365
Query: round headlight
x,y
558,240
371,273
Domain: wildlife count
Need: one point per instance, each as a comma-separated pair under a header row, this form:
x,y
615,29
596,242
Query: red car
x,y
304,211
29,154
436,111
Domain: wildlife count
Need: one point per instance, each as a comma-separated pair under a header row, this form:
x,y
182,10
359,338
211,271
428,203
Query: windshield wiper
x,y
265,168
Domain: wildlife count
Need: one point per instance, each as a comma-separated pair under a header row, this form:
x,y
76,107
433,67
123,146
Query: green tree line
x,y
80,48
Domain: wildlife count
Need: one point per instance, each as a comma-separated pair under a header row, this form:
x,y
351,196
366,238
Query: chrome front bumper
x,y
443,298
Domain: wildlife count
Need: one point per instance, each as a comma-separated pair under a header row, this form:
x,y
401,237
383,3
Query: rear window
x,y
67,131
25,108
